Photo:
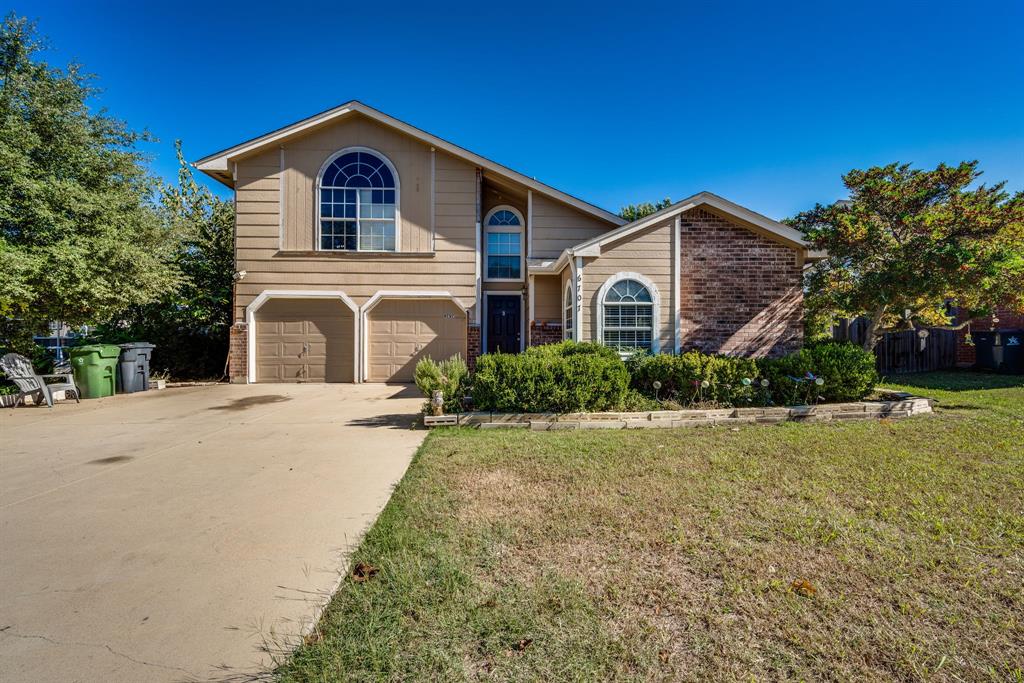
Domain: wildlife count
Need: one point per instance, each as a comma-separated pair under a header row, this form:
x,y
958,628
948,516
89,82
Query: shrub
x,y
847,373
694,377
450,376
846,370
782,389
560,378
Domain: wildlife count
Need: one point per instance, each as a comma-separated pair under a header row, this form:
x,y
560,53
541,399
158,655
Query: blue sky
x,y
764,103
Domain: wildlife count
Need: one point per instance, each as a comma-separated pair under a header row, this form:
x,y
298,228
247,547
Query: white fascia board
x,y
541,267
789,235
218,161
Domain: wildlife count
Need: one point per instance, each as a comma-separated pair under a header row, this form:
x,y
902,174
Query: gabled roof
x,y
218,165
780,232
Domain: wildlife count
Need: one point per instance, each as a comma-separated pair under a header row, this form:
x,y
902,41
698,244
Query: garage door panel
x,y
267,327
401,332
408,327
305,340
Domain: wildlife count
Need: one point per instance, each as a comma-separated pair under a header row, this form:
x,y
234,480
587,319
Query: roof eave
x,y
220,161
779,231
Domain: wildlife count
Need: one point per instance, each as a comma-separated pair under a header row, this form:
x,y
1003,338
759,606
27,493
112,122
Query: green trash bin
x,y
94,367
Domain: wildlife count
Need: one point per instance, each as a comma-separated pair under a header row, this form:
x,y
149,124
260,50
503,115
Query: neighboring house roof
x,y
218,165
755,221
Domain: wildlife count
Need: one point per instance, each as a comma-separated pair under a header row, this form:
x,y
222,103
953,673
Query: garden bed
x,y
654,419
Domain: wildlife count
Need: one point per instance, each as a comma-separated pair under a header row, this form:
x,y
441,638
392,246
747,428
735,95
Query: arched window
x,y
358,202
503,244
567,310
629,312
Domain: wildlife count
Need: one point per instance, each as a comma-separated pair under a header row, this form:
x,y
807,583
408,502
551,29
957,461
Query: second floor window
x,y
358,203
504,244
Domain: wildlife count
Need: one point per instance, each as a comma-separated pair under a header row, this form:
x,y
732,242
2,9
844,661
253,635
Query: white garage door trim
x,y
364,353
268,294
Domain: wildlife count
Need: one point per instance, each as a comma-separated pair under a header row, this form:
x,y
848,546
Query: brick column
x,y
545,333
238,354
472,345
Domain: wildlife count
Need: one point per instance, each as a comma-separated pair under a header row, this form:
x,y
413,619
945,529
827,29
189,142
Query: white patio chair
x,y
20,371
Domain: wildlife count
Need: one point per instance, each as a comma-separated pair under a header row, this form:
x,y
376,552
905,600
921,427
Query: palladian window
x,y
358,203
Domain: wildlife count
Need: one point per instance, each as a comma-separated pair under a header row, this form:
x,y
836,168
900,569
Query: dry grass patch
x,y
859,551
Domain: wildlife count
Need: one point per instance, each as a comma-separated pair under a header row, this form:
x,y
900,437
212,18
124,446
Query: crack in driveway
x,y
6,630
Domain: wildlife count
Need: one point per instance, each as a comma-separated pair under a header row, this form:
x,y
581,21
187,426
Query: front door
x,y
503,324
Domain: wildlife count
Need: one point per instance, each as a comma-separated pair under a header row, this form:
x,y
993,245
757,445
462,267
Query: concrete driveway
x,y
181,534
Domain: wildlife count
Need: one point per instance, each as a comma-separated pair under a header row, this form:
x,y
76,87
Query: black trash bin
x,y
1013,351
133,367
985,350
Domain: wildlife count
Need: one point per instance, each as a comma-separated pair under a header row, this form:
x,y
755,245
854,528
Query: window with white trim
x,y
358,203
503,244
567,310
628,320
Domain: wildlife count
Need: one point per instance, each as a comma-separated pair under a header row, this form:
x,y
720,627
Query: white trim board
x,y
677,317
790,236
215,165
268,294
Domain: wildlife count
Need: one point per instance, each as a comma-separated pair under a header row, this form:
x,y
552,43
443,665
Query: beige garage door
x,y
305,340
401,331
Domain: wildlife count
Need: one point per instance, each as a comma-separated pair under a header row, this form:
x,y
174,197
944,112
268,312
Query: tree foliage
x,y
80,239
189,324
633,212
909,244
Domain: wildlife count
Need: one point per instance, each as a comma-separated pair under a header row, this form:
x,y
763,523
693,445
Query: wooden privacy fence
x,y
901,352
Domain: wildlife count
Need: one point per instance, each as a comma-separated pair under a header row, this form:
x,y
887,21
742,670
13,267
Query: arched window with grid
x,y
358,190
628,315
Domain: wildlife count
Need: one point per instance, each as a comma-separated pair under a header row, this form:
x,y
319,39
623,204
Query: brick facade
x,y
238,354
965,354
472,345
740,293
545,333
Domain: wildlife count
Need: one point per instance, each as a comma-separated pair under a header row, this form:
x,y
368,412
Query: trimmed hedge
x,y
694,377
846,371
571,377
556,378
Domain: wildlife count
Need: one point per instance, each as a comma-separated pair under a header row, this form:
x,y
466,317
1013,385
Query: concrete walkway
x,y
181,534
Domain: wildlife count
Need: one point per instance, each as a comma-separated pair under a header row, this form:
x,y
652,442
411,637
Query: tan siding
x,y
648,253
304,158
547,299
299,266
558,226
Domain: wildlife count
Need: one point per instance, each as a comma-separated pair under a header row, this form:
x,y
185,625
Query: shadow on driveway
x,y
239,404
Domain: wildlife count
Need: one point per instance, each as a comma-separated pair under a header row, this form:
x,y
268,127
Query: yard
x,y
875,550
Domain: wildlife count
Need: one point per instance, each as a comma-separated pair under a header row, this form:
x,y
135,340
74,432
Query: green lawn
x,y
853,551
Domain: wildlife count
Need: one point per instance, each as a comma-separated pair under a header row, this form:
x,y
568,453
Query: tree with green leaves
x,y
190,323
634,212
910,244
80,237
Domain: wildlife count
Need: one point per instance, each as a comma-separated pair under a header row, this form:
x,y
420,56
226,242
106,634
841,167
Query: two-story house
x,y
363,244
